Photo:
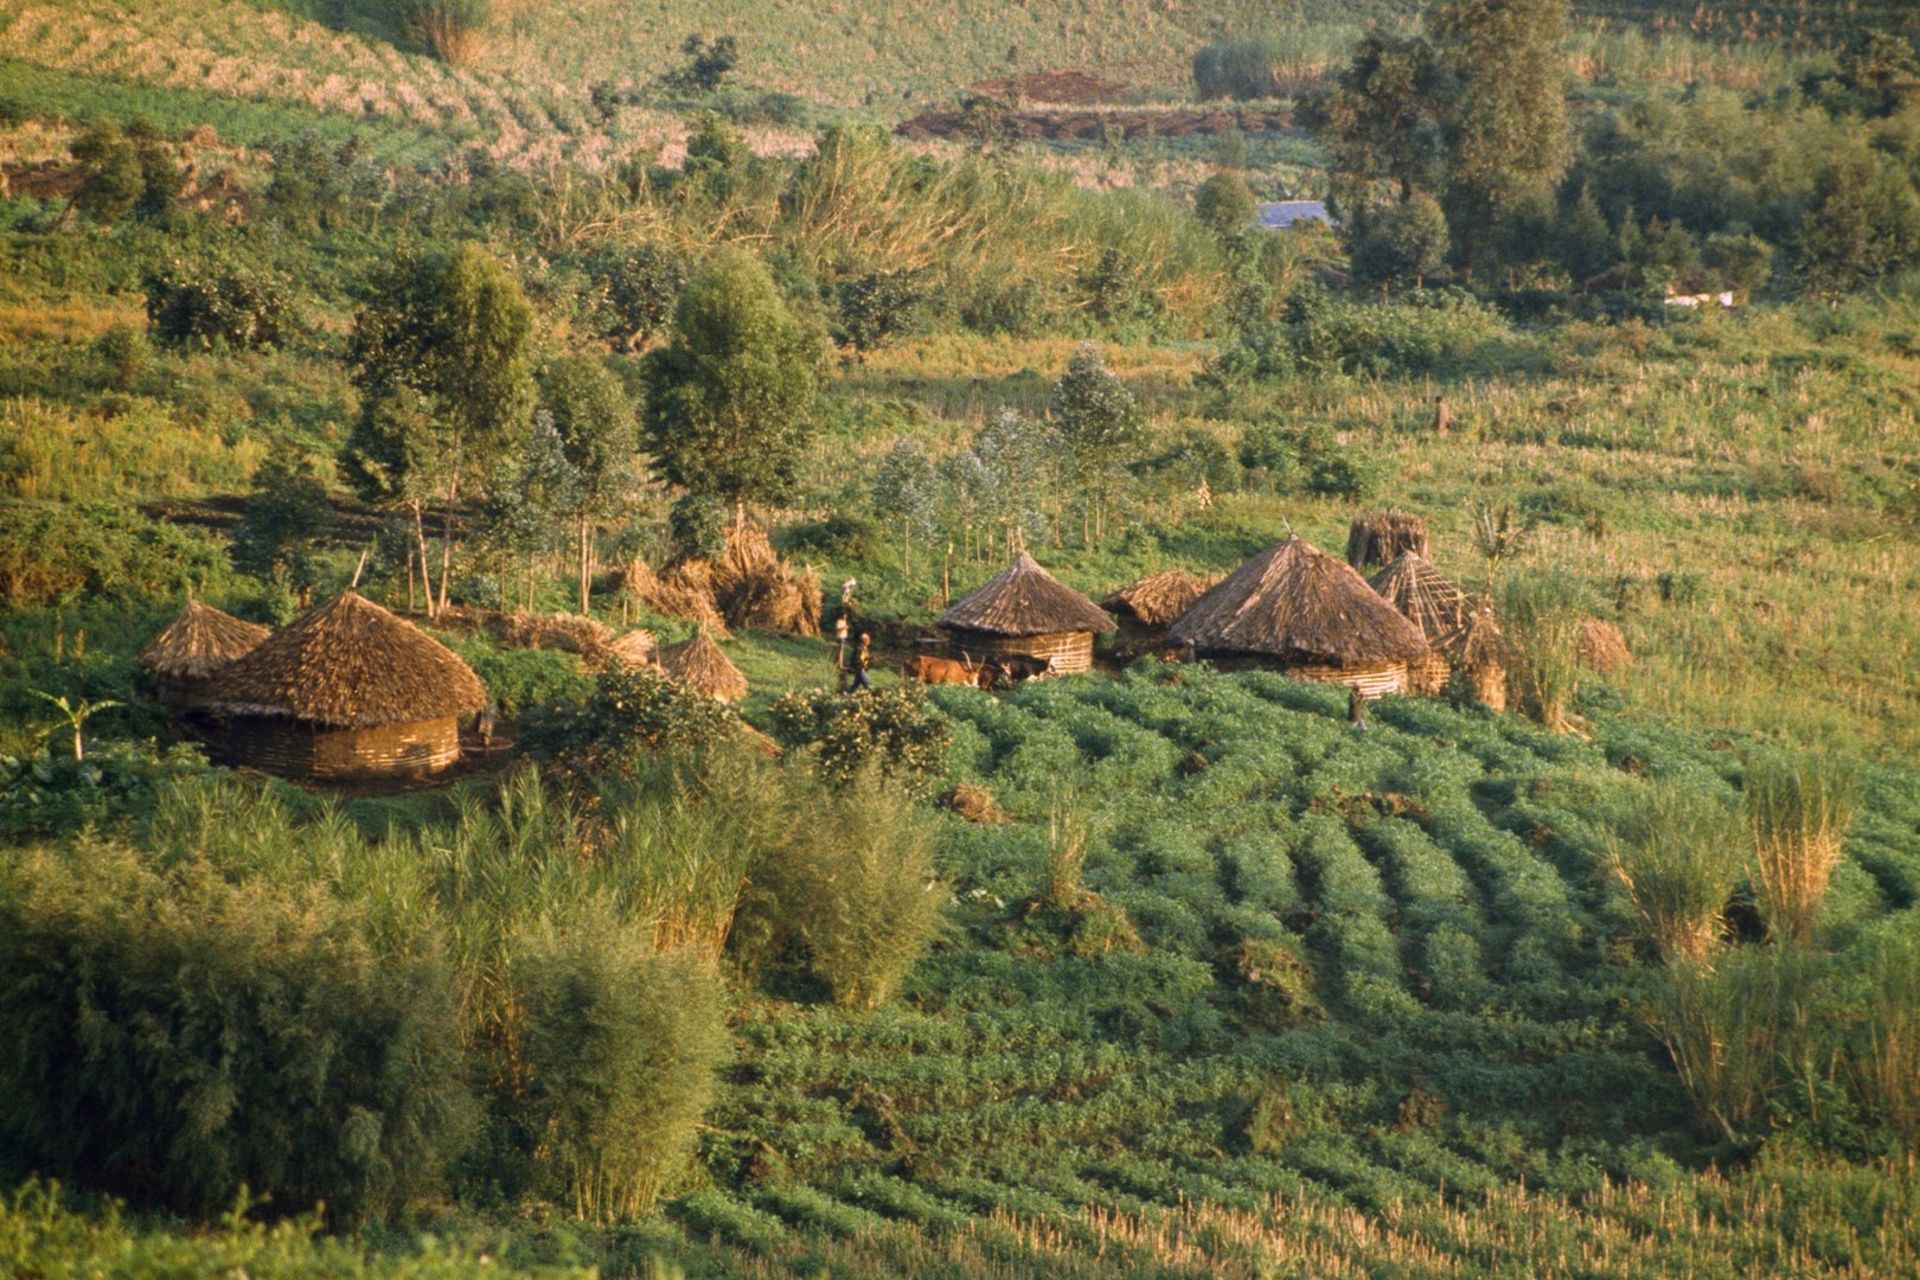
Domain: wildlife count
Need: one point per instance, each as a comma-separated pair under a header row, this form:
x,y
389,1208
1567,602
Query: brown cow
x,y
931,670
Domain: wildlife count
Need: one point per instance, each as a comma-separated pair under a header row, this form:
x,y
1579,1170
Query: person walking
x,y
862,659
840,629
1442,416
1356,709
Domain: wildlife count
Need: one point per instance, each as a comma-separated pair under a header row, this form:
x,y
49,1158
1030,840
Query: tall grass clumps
x,y
1542,622
1799,808
1726,1026
1678,857
451,30
174,1038
855,887
621,1045
1886,1058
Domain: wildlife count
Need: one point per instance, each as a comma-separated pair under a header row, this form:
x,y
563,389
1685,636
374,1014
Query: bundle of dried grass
x,y
683,591
698,663
976,804
753,587
1383,537
637,648
1602,647
564,632
1158,599
1480,652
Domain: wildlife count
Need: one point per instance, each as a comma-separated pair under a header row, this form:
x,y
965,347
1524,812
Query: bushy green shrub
x,y
854,884
237,309
895,730
45,795
621,1044
74,551
632,711
174,1038
518,680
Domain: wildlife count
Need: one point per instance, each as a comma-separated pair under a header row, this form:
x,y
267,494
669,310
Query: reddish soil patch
x,y
1088,125
1074,85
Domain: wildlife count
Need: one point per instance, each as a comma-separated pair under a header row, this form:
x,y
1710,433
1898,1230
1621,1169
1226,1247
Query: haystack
x,y
1157,600
1381,538
196,646
753,587
1434,605
1602,648
1295,607
683,591
349,690
1024,611
1478,652
637,648
698,663
561,632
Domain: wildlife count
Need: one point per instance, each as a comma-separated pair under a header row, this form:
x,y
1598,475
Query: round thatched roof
x,y
350,664
1159,598
200,641
1297,603
1429,601
1025,600
698,663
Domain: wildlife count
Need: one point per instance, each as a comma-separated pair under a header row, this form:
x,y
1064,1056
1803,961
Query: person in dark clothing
x,y
483,726
1357,709
862,659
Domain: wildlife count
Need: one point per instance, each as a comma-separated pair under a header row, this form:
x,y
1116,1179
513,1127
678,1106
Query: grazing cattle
x,y
931,670
1009,669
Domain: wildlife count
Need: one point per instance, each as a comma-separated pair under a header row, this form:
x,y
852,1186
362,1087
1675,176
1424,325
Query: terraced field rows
x,y
1439,879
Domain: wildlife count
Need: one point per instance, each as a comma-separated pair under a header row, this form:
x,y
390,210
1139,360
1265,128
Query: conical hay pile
x,y
1384,536
753,587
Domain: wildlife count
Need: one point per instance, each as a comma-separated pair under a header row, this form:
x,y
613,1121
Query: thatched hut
x,y
347,691
196,646
698,663
1146,608
1382,537
1434,605
1297,608
1025,612
1478,652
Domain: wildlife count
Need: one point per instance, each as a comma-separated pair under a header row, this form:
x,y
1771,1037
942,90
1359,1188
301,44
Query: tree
x,y
1012,450
641,286
520,516
1097,424
441,361
1403,243
1383,120
903,488
876,307
600,439
1224,205
160,177
732,388
1506,110
113,183
707,64
287,515
1863,222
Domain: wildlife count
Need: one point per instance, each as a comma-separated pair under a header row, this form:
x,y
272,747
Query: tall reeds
x,y
1678,857
1798,809
1541,618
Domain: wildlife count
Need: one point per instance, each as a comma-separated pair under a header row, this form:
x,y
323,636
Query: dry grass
x,y
1798,809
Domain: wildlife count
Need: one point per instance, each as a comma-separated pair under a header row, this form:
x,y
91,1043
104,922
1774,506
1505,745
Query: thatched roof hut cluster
x,y
1436,608
1024,611
1158,600
347,690
1313,615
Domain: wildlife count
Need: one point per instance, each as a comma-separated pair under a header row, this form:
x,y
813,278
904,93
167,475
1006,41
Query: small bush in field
x,y
241,310
1678,858
856,886
895,730
451,30
174,1039
1799,809
621,1044
632,709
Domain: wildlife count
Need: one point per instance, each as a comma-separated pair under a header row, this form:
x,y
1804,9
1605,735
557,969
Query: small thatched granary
x,y
1478,652
1601,646
1382,537
698,663
1024,611
1157,600
1434,605
1295,607
349,690
196,646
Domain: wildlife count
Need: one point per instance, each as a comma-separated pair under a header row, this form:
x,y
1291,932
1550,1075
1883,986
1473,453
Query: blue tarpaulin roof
x,y
1284,213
